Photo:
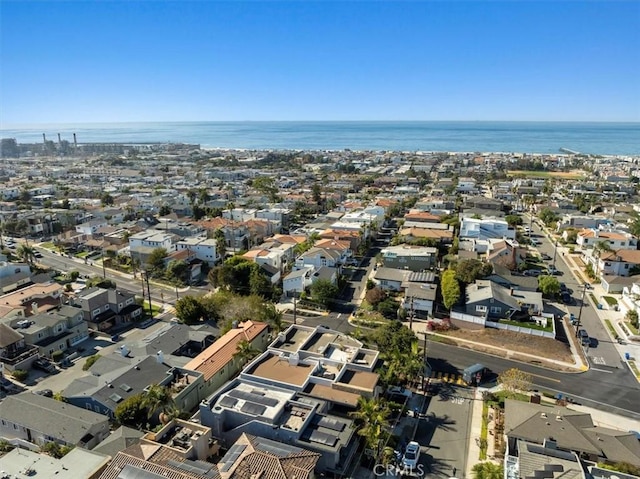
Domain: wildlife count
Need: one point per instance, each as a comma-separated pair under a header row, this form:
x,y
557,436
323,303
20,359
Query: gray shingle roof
x,y
55,418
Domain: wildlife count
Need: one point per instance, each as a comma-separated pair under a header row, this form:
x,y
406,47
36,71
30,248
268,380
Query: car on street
x,y
48,393
553,271
532,272
545,257
44,365
411,455
584,337
37,254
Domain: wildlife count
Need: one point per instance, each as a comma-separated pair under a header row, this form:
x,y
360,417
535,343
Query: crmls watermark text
x,y
390,470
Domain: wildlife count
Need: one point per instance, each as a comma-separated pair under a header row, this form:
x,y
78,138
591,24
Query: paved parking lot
x,y
444,433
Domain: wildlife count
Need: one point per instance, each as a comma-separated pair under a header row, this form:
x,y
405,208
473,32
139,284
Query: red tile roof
x,y
219,354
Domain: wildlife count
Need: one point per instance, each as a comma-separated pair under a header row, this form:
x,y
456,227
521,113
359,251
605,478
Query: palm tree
x,y
159,398
487,470
26,253
273,318
245,352
599,248
372,419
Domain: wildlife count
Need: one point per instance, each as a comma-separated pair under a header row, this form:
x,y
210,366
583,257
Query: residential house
x,y
631,297
15,353
352,236
13,275
421,217
623,262
485,229
419,299
104,308
32,299
38,419
438,232
54,331
562,429
390,279
77,463
413,258
218,363
502,275
204,249
102,391
506,253
298,281
530,460
580,221
494,302
588,238
319,257
90,227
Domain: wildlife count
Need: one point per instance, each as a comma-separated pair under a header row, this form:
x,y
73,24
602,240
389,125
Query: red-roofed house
x,y
217,363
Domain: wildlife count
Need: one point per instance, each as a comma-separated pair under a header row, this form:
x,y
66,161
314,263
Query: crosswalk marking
x,y
598,360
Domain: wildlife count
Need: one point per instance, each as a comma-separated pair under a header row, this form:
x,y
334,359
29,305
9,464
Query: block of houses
x,y
104,308
38,419
588,238
413,258
494,302
286,394
54,331
76,463
485,229
217,363
13,275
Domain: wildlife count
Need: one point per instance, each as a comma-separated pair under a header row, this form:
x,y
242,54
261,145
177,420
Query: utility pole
x,y
555,252
294,306
584,290
146,275
411,313
104,271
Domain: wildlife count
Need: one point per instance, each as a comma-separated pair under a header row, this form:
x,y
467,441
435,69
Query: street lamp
x,y
555,252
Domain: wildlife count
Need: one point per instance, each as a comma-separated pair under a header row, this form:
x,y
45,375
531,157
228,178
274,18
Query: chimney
x,y
160,357
59,139
34,307
75,142
44,138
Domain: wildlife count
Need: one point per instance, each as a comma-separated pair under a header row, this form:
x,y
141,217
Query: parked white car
x,y
411,455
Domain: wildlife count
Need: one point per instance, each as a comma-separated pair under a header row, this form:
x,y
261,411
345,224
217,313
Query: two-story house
x,y
13,275
623,262
298,281
90,227
205,249
319,257
588,238
15,353
39,420
54,331
104,308
413,258
485,229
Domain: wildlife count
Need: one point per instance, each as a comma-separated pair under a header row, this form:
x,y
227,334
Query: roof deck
x,y
281,369
359,379
292,339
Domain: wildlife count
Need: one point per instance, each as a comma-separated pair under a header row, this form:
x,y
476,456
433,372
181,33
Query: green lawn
x,y
611,301
48,245
611,329
632,328
82,254
528,324
484,431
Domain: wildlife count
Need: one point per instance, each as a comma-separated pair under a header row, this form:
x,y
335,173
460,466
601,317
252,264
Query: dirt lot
x,y
496,341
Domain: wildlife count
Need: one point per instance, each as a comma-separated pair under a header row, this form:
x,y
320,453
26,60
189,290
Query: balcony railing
x,y
32,351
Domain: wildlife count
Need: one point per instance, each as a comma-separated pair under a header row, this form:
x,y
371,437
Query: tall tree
x,y
155,261
324,291
26,253
450,289
372,422
189,310
159,399
487,470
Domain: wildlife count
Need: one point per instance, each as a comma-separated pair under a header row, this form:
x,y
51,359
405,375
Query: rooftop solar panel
x,y
332,424
253,409
247,396
228,401
323,438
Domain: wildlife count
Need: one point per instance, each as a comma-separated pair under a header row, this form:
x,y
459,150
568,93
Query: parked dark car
x,y
45,392
44,365
566,298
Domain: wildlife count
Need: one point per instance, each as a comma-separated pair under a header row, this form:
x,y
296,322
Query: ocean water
x,y
524,137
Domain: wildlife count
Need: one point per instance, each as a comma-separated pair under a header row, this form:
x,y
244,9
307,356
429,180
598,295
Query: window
x,y
95,312
88,406
496,309
96,408
626,266
119,305
481,309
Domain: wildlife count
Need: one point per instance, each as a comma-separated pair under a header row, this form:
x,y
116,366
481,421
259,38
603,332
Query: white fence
x,y
509,327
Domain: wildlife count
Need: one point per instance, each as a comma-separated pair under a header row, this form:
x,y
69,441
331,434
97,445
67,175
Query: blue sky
x,y
87,61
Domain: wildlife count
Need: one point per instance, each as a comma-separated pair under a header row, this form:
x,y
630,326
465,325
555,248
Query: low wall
x,y
481,322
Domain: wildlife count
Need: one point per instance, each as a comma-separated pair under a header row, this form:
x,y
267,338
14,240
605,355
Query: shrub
x,y
20,374
57,355
90,361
